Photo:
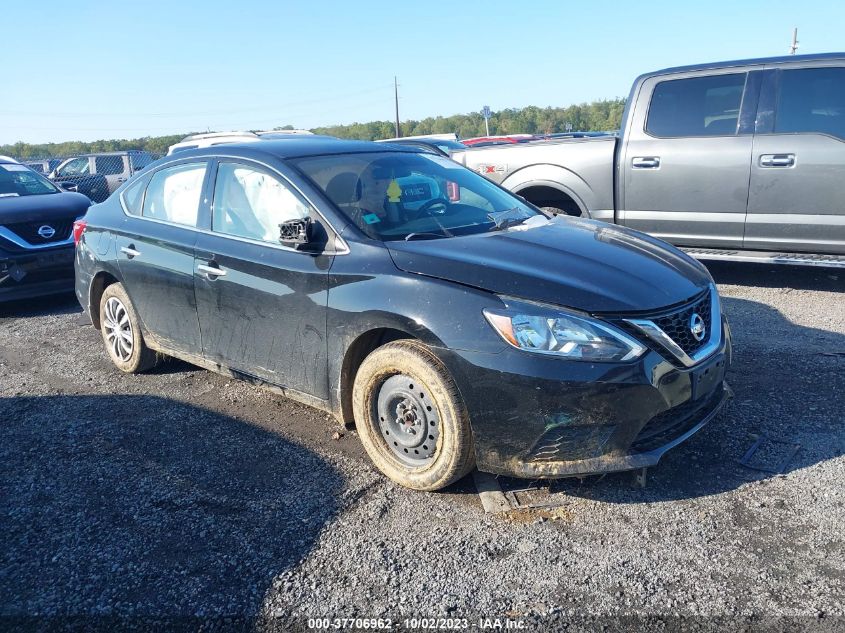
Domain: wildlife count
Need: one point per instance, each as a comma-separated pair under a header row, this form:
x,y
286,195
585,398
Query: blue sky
x,y
94,70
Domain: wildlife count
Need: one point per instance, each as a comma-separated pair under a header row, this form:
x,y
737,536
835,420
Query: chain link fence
x,y
96,175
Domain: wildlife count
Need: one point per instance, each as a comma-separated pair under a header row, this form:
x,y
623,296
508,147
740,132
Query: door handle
x,y
777,160
212,272
130,251
121,179
645,162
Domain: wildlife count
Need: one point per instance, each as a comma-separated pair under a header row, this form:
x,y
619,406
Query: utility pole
x,y
794,46
396,98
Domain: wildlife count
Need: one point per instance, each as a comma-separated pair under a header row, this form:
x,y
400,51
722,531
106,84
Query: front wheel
x,y
411,418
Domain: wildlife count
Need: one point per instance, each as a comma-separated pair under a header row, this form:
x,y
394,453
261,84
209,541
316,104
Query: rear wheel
x,y
411,418
121,332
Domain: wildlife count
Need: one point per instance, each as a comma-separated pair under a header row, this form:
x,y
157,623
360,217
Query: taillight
x,y
78,230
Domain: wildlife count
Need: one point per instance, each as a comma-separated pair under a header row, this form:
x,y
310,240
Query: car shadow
x,y
64,303
771,276
142,505
789,384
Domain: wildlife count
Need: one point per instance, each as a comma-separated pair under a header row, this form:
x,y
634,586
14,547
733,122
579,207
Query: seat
x,y
344,188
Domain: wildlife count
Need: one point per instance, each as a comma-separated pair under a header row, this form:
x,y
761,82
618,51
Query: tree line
x,y
587,117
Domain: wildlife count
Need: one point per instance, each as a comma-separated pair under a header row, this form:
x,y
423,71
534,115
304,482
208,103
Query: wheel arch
x,y
102,280
548,183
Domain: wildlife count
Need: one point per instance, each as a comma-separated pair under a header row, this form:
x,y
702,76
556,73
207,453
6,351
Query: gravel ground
x,y
183,493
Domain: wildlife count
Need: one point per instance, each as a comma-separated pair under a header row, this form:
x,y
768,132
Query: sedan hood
x,y
43,208
582,264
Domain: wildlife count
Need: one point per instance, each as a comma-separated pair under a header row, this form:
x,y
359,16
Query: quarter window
x,y
699,106
173,194
133,196
812,100
252,203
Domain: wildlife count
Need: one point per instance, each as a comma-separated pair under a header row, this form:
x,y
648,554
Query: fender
x,y
556,177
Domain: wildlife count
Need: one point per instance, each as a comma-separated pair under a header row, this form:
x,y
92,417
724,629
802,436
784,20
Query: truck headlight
x,y
557,332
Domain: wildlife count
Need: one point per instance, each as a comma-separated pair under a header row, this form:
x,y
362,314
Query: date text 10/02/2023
x,y
429,624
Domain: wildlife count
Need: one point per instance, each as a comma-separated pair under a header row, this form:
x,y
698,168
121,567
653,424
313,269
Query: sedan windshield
x,y
397,196
19,180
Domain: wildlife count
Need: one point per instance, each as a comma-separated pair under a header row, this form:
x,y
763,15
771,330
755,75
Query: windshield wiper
x,y
422,235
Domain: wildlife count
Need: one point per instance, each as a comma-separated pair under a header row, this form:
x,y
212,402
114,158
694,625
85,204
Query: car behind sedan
x,y
36,222
470,329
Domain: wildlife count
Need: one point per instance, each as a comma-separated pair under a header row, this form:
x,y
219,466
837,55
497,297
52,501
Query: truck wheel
x,y
574,212
121,332
411,418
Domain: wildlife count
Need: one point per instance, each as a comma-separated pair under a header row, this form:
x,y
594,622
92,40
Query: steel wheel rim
x,y
407,420
118,329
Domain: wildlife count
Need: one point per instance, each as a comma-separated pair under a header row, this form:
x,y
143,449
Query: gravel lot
x,y
183,493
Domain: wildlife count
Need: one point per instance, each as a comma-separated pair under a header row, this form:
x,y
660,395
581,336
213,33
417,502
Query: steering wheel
x,y
428,207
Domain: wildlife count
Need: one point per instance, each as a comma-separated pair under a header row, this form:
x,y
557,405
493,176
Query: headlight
x,y
552,331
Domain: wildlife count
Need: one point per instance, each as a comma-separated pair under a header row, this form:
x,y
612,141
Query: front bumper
x,y
540,417
34,274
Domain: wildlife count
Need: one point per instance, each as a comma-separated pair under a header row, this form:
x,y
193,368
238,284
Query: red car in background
x,y
481,141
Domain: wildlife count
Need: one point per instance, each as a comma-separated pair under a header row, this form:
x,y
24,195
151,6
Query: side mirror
x,y
296,233
69,186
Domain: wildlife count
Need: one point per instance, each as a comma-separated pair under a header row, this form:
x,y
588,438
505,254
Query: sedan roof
x,y
299,148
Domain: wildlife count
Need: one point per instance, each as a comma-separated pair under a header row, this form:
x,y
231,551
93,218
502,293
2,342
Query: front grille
x,y
672,423
677,324
28,231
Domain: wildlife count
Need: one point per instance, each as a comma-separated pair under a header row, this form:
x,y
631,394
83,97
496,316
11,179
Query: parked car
x,y
733,161
442,146
43,166
507,139
196,141
36,245
482,333
99,175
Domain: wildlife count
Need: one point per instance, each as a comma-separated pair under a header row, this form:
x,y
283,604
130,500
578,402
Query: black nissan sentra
x,y
456,325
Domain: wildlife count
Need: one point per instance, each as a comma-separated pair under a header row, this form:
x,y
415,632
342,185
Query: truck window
x,y
812,100
108,165
139,161
698,106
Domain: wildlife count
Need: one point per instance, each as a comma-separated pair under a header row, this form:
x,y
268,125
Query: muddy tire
x,y
410,417
121,331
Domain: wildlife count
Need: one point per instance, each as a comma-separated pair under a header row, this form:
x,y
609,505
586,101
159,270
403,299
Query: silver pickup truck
x,y
741,160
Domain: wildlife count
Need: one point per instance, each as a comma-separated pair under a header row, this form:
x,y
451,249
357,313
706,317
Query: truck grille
x,y
28,231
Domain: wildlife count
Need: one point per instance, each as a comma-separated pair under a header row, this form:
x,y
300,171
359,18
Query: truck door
x,y
112,167
797,189
686,163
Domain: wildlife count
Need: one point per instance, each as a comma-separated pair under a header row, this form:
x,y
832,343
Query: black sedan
x,y
36,241
465,329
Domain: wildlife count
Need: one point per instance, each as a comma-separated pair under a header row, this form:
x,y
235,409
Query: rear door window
x,y
812,100
173,194
698,106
